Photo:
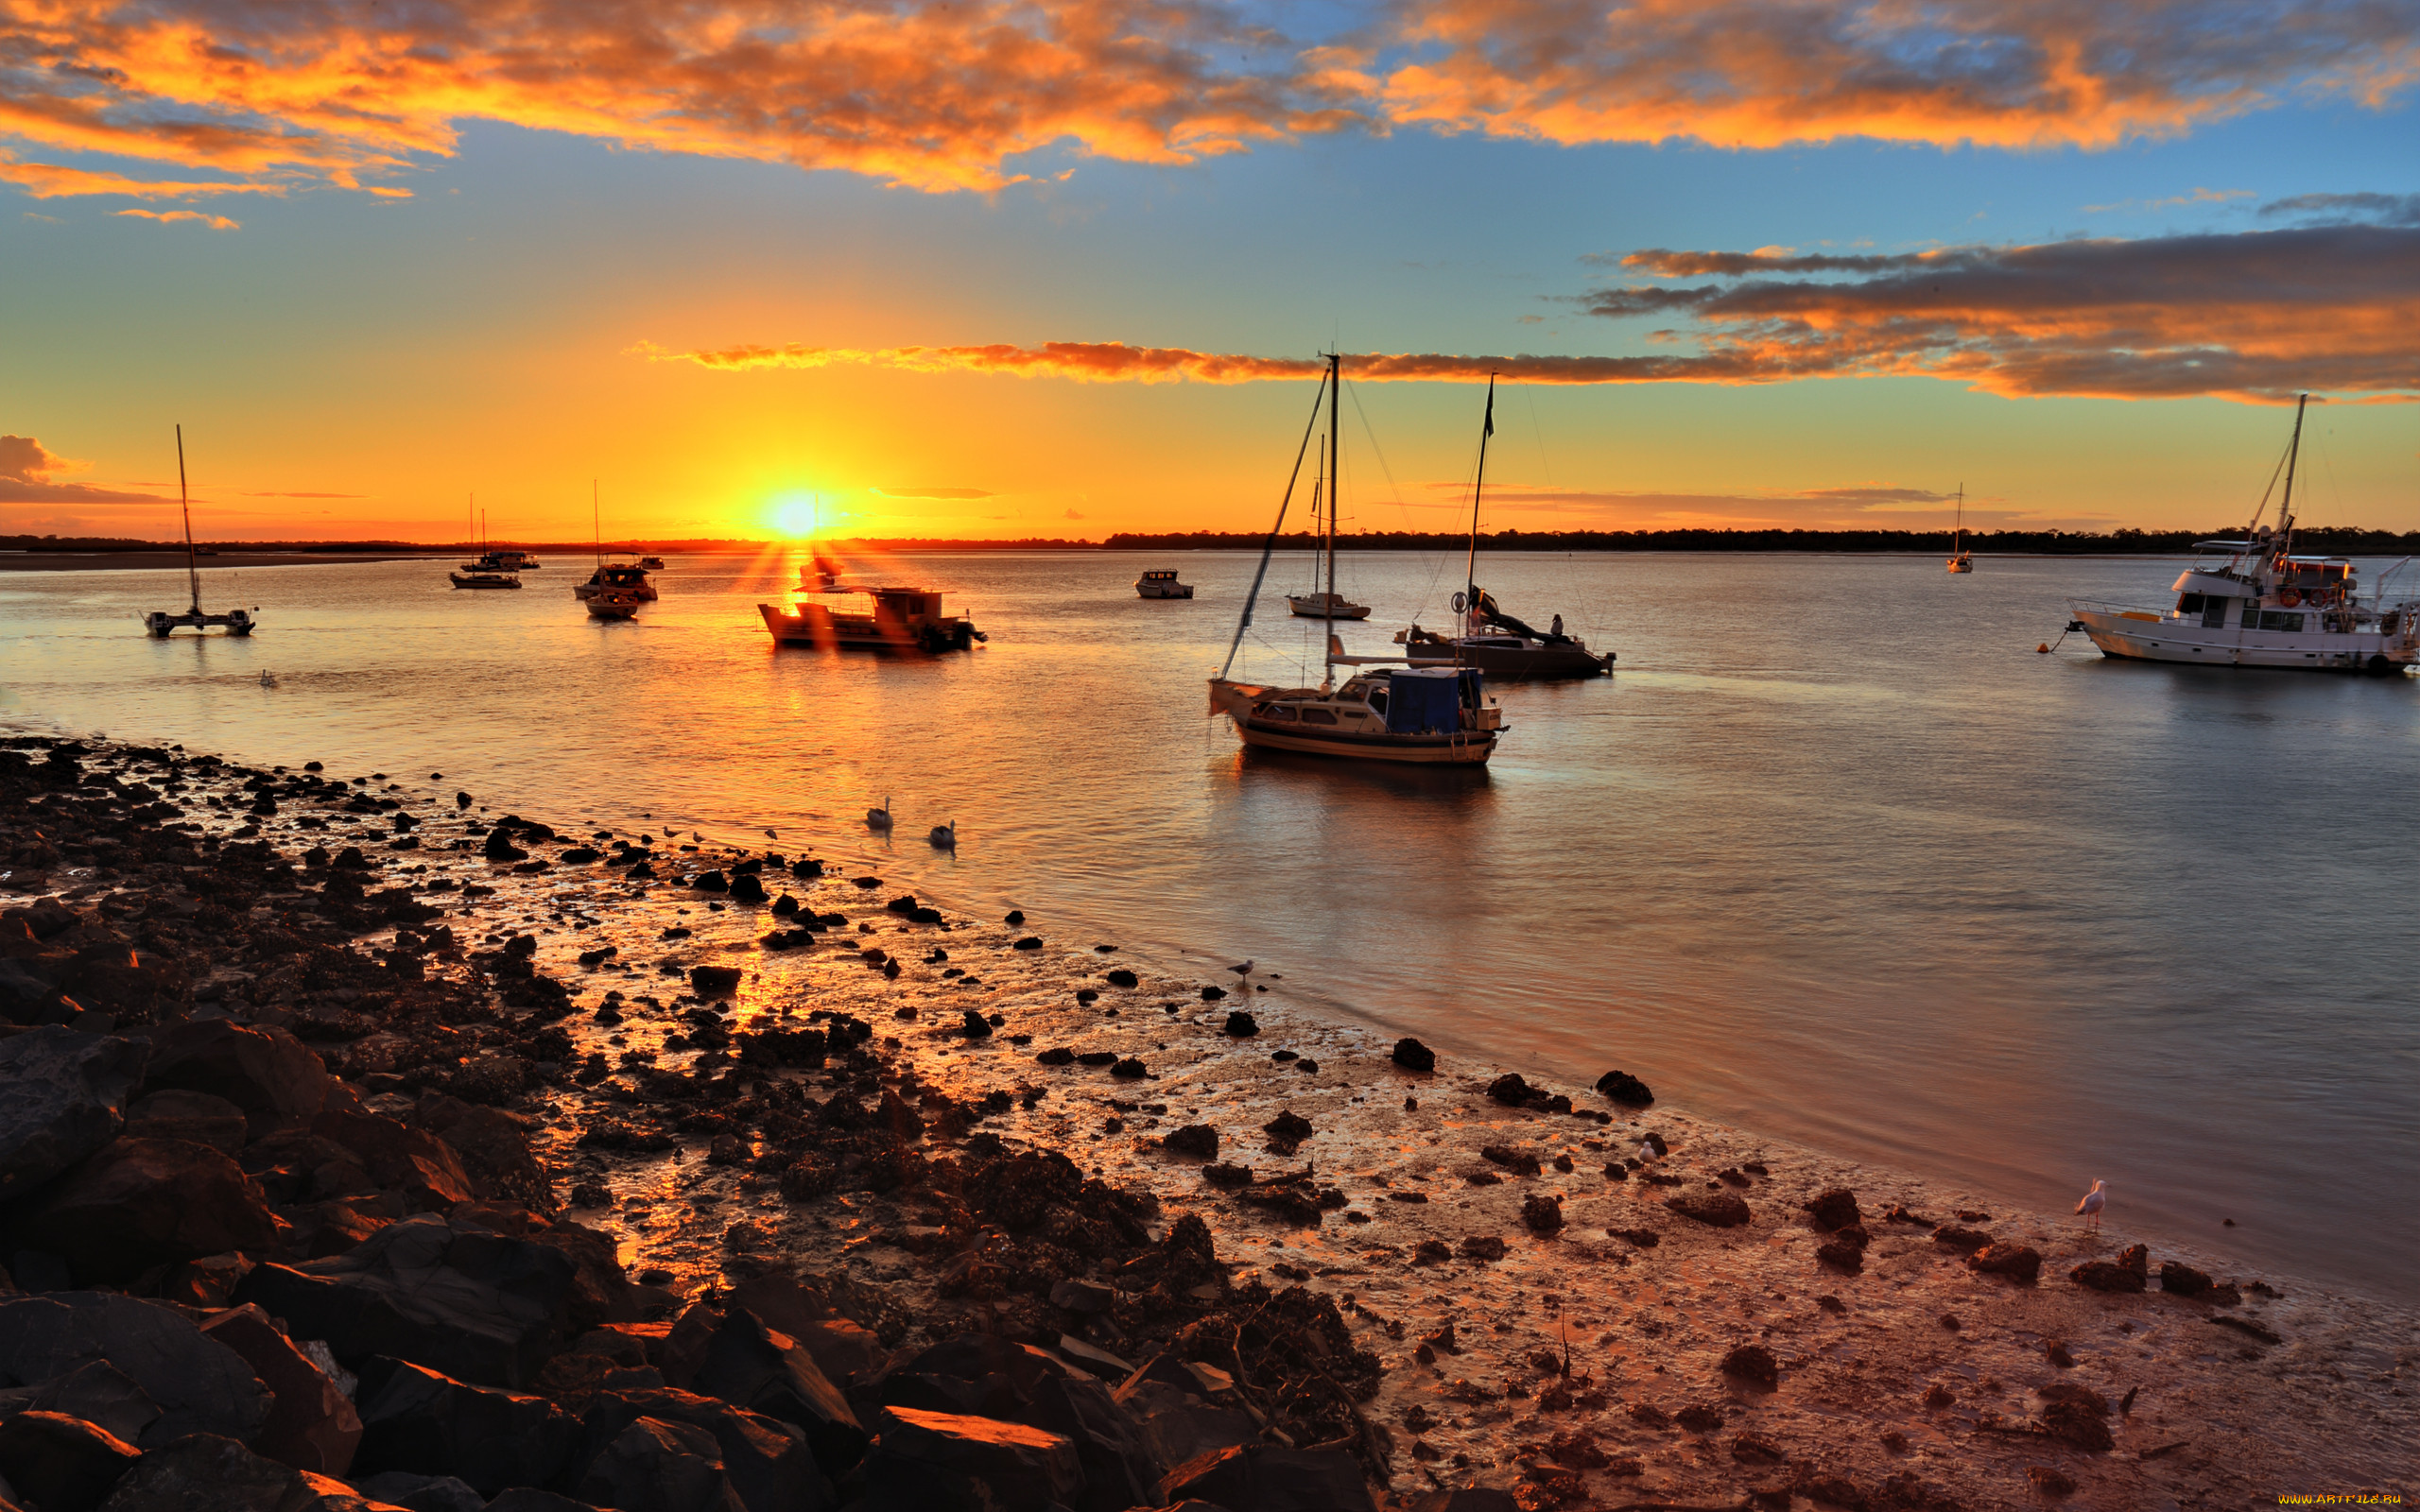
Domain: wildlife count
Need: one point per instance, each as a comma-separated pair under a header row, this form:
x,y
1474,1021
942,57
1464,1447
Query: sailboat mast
x,y
597,524
1335,487
1470,565
193,569
2286,506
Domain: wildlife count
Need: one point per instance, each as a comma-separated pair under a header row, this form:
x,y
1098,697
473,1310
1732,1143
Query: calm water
x,y
1836,856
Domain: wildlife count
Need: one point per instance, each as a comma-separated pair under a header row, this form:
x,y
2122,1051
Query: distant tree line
x,y
2325,541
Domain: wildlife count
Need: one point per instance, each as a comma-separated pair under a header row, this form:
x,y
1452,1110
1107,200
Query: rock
x,y
421,1493
747,889
767,1463
418,1420
1113,1451
2183,1280
945,1460
95,1392
1413,1055
1212,994
1525,1162
2019,1262
1969,1239
1030,942
767,1372
714,981
417,1163
63,1096
1840,1255
140,1203
499,847
1467,1499
2129,1272
1081,1296
269,1073
196,1117
1723,1210
1621,1087
203,1473
1541,1213
1267,1479
2049,1480
1833,1208
655,1465
976,1026
1199,1141
1483,1248
1510,1089
61,1464
311,1425
475,1305
1286,1131
1755,1363
197,1384
1242,1025
1129,1069
493,1149
1122,977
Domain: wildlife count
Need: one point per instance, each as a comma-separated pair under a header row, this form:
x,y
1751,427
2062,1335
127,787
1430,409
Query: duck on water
x,y
1388,713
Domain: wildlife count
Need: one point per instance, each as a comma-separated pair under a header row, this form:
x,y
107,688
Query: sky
x,y
1063,268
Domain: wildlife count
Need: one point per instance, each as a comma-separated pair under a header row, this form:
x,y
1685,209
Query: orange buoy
x,y
2044,648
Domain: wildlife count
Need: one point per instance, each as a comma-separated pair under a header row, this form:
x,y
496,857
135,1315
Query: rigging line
x,y
1270,545
1396,488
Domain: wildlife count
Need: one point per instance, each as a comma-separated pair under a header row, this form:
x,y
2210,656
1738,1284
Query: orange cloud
x,y
2253,315
946,94
1116,362
164,216
1992,73
51,180
26,467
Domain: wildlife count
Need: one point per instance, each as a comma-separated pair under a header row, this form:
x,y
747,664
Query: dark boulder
x,y
1846,1258
1200,1141
494,1149
416,1164
2183,1280
767,1463
1413,1055
770,1373
655,1465
197,1384
95,1392
140,1203
312,1425
1122,977
63,1096
61,1464
1118,1467
1541,1213
1754,1363
1212,994
714,981
419,1421
1241,1024
196,1117
1720,1209
747,889
420,1493
269,1073
1950,1236
204,1472
475,1305
2129,1272
1510,1089
1519,1162
2018,1263
948,1461
1268,1479
1833,1208
976,1026
1625,1088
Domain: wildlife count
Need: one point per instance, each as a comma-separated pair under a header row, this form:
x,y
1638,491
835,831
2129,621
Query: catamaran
x,y
1488,638
160,623
1390,711
2253,603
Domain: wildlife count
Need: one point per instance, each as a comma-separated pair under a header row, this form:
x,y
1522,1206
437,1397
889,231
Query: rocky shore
x,y
360,1147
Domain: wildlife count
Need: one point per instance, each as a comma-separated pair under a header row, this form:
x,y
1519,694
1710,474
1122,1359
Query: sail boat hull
x,y
1505,660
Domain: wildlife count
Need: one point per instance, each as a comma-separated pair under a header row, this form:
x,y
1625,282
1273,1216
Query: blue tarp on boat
x,y
1427,701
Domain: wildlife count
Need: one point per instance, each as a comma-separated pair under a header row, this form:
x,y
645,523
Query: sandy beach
x,y
1461,1280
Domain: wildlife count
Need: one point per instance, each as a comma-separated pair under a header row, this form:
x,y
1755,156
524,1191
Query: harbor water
x,y
1835,855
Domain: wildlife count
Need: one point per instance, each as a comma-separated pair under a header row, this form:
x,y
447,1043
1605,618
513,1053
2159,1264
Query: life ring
x,y
2289,597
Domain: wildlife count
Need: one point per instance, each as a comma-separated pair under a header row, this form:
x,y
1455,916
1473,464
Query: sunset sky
x,y
1064,268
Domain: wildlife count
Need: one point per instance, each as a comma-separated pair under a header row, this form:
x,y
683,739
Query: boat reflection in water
x,y
895,619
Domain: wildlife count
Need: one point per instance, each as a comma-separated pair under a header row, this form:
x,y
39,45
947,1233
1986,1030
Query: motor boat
x,y
612,604
1160,582
895,619
619,577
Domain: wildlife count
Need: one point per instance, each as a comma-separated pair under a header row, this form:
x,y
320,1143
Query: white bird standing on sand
x,y
2094,1201
945,837
879,818
1242,972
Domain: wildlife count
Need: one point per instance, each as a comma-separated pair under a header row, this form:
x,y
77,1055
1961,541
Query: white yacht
x,y
1160,582
616,578
1390,712
2253,603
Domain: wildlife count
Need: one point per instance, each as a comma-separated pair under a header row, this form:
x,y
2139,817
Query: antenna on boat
x,y
193,569
2293,453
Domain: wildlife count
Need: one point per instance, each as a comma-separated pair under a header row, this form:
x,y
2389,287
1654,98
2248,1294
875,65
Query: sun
x,y
796,514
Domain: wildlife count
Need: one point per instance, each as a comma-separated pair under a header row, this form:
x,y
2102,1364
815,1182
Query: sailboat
x,y
1389,711
1329,604
615,581
1489,639
1961,560
490,570
158,622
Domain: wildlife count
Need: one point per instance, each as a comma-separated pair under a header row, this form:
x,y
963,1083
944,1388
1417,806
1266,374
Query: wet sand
x,y
1586,1365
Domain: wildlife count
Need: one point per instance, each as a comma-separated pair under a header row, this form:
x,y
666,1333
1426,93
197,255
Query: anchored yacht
x,y
2253,603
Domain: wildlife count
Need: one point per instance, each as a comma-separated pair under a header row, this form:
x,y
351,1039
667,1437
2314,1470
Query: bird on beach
x,y
879,818
772,835
945,837
1242,972
2094,1201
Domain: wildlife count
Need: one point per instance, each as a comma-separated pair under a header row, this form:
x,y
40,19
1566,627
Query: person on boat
x,y
1557,631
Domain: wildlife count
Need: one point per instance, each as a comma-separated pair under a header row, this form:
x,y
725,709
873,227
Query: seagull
x,y
1243,971
772,835
945,837
879,818
2094,1201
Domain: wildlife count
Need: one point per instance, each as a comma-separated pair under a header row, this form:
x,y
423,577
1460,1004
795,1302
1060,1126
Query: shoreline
x,y
1333,1215
95,561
